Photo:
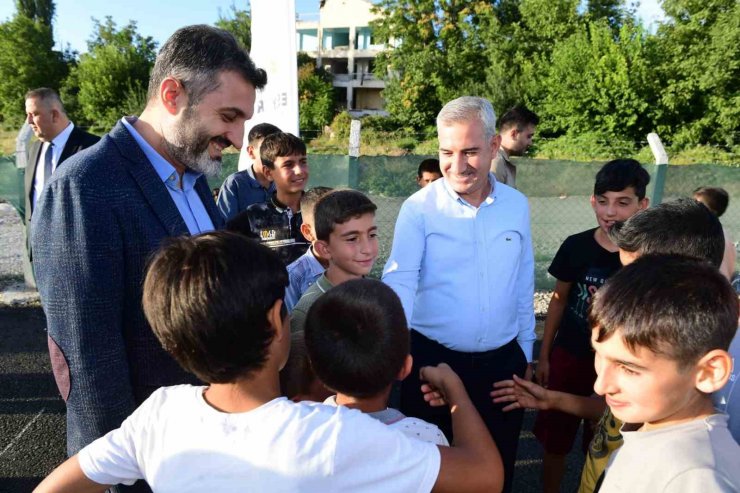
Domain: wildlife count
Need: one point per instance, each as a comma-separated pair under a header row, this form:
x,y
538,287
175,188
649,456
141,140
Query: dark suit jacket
x,y
96,225
78,140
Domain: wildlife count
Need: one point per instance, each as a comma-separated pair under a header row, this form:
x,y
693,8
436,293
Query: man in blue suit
x,y
111,206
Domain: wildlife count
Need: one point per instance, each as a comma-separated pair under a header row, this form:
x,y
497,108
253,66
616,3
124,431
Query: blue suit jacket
x,y
97,223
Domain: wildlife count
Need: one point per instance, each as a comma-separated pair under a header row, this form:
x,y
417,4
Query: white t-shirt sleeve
x,y
112,459
370,457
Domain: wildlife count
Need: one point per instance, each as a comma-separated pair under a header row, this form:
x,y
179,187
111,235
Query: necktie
x,y
47,163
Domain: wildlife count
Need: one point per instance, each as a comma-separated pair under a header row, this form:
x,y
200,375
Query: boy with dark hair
x,y
428,172
581,266
516,127
346,235
661,342
304,271
214,301
277,222
716,200
249,186
358,344
681,227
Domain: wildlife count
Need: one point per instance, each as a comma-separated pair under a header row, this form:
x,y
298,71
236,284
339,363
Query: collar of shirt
x,y
280,206
323,283
490,199
59,142
254,183
164,169
504,154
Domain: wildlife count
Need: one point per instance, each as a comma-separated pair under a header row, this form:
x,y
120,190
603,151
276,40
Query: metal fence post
x,y
661,168
354,153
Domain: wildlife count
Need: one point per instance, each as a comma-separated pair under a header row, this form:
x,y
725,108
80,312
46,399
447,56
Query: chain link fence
x,y
558,193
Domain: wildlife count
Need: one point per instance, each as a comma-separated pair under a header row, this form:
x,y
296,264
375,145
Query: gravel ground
x,y
11,244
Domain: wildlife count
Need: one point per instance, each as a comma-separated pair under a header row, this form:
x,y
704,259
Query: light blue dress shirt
x,y
186,198
302,273
465,274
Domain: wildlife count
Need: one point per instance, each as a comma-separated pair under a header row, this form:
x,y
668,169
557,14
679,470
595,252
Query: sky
x,y
160,18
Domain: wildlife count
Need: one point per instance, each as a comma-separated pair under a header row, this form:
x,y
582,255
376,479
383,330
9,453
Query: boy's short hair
x,y
619,174
206,298
311,198
357,337
518,117
280,144
675,306
339,207
715,198
260,131
430,165
681,227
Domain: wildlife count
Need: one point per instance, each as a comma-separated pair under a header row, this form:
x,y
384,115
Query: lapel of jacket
x,y
73,142
31,166
143,173
206,196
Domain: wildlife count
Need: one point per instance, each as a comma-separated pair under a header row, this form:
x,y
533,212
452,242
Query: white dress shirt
x,y
59,142
465,274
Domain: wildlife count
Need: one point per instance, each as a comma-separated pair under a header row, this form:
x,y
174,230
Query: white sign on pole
x,y
274,50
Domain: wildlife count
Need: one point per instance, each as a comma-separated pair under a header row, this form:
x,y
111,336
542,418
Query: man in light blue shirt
x,y
463,266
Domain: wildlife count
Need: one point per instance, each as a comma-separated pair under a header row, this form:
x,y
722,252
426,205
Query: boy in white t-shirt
x,y
215,302
357,340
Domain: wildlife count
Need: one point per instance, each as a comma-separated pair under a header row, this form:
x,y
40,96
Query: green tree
x,y
27,60
315,95
239,23
112,76
701,69
440,53
37,10
597,83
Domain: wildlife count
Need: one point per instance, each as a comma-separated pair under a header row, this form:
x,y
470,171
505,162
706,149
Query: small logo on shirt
x,y
508,238
268,234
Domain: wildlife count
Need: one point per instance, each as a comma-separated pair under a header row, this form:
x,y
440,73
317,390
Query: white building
x,y
342,42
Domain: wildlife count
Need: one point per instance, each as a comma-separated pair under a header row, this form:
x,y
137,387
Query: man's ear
x,y
593,202
307,232
322,248
713,371
405,370
495,144
172,95
252,153
645,203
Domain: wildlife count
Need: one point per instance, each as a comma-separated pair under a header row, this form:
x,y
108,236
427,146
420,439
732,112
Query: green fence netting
x,y
558,193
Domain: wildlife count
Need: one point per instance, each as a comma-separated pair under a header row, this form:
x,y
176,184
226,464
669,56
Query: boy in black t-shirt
x,y
581,266
277,222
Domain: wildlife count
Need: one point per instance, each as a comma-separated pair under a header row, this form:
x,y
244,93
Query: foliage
x,y
27,61
701,69
38,10
113,76
239,23
598,82
315,96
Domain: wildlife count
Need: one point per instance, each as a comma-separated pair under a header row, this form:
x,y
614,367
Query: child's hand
x,y
521,394
441,380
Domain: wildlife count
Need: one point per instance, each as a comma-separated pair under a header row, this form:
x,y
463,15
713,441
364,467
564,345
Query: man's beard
x,y
189,143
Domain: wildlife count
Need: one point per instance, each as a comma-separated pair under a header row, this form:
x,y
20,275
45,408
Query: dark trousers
x,y
478,371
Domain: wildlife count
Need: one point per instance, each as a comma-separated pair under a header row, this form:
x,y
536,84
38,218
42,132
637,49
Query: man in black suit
x,y
58,140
